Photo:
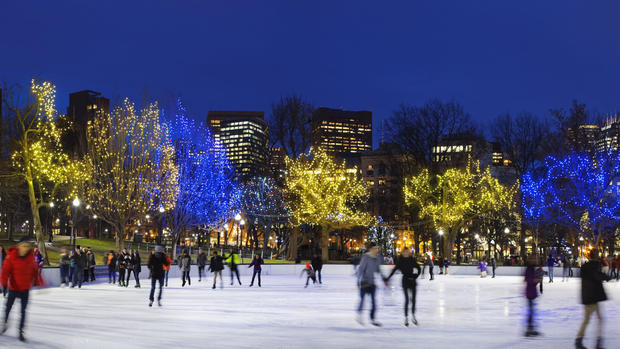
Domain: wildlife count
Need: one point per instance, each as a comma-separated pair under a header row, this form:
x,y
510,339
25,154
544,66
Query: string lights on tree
x,y
39,158
131,163
324,192
206,189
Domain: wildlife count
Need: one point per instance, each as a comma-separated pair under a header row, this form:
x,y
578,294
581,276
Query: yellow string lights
x,y
131,161
322,191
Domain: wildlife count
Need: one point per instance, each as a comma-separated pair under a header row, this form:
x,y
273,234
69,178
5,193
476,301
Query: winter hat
x,y
159,248
308,266
24,239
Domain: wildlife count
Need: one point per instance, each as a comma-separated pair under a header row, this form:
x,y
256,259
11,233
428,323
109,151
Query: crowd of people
x,y
22,265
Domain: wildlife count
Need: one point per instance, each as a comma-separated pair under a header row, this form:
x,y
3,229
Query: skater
x,y
612,268
38,258
129,266
86,267
111,263
167,268
531,279
77,266
410,269
90,260
366,281
185,264
592,292
429,262
19,273
233,260
565,268
482,265
137,266
157,262
2,258
122,260
256,263
540,274
618,268
201,261
317,265
216,265
550,265
64,266
447,266
310,275
441,265
493,267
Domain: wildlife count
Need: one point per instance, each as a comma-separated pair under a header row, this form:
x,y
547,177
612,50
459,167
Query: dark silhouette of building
x,y
244,136
609,136
584,138
341,132
457,150
83,107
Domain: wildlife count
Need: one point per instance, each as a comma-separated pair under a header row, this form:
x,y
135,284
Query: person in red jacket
x,y
19,274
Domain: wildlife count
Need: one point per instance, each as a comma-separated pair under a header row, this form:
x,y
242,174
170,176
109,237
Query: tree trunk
x,y
324,243
292,244
34,207
174,248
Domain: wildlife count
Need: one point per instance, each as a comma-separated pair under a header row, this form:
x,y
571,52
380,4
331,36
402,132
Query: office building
x,y
608,137
244,136
584,139
277,164
341,132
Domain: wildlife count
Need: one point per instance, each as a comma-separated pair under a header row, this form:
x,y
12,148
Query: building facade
x,y
341,132
383,171
277,164
83,107
244,136
609,135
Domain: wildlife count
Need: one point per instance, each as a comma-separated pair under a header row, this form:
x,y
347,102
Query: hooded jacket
x,y
19,273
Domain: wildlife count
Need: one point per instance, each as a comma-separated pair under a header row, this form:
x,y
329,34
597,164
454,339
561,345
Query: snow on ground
x,y
453,311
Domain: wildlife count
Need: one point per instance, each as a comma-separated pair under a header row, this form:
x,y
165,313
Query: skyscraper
x,y
342,132
244,135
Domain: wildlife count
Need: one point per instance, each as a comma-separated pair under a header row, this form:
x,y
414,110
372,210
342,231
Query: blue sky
x,y
491,56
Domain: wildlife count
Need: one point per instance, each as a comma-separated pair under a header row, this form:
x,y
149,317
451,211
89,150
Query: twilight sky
x,y
491,56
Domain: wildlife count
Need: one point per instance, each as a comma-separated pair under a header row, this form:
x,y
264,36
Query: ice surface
x,y
453,311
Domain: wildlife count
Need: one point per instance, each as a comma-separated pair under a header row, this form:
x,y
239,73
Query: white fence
x,y
52,275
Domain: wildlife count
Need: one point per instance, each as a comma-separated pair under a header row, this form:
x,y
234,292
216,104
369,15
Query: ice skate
x,y
406,321
21,336
531,332
414,320
4,328
376,323
159,303
599,344
579,343
150,303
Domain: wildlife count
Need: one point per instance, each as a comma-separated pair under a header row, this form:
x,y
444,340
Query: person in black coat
x,y
216,266
201,261
157,261
410,269
592,292
317,265
137,266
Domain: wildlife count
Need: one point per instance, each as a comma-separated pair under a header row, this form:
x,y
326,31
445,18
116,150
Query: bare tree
x,y
290,124
417,129
523,140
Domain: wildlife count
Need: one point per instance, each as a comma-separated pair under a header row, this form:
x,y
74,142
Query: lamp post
x,y
441,243
76,203
225,234
241,224
237,219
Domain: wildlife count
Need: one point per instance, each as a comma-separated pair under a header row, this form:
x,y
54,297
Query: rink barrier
x,y
52,275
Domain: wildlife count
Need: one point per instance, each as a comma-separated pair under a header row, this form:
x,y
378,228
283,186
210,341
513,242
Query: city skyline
x,y
492,60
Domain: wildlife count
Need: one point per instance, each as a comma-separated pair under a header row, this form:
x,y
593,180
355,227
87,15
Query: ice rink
x,y
453,312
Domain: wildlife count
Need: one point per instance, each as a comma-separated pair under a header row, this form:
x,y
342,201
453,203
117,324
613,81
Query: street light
x,y
441,232
148,216
52,204
76,204
161,209
94,216
237,217
507,230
